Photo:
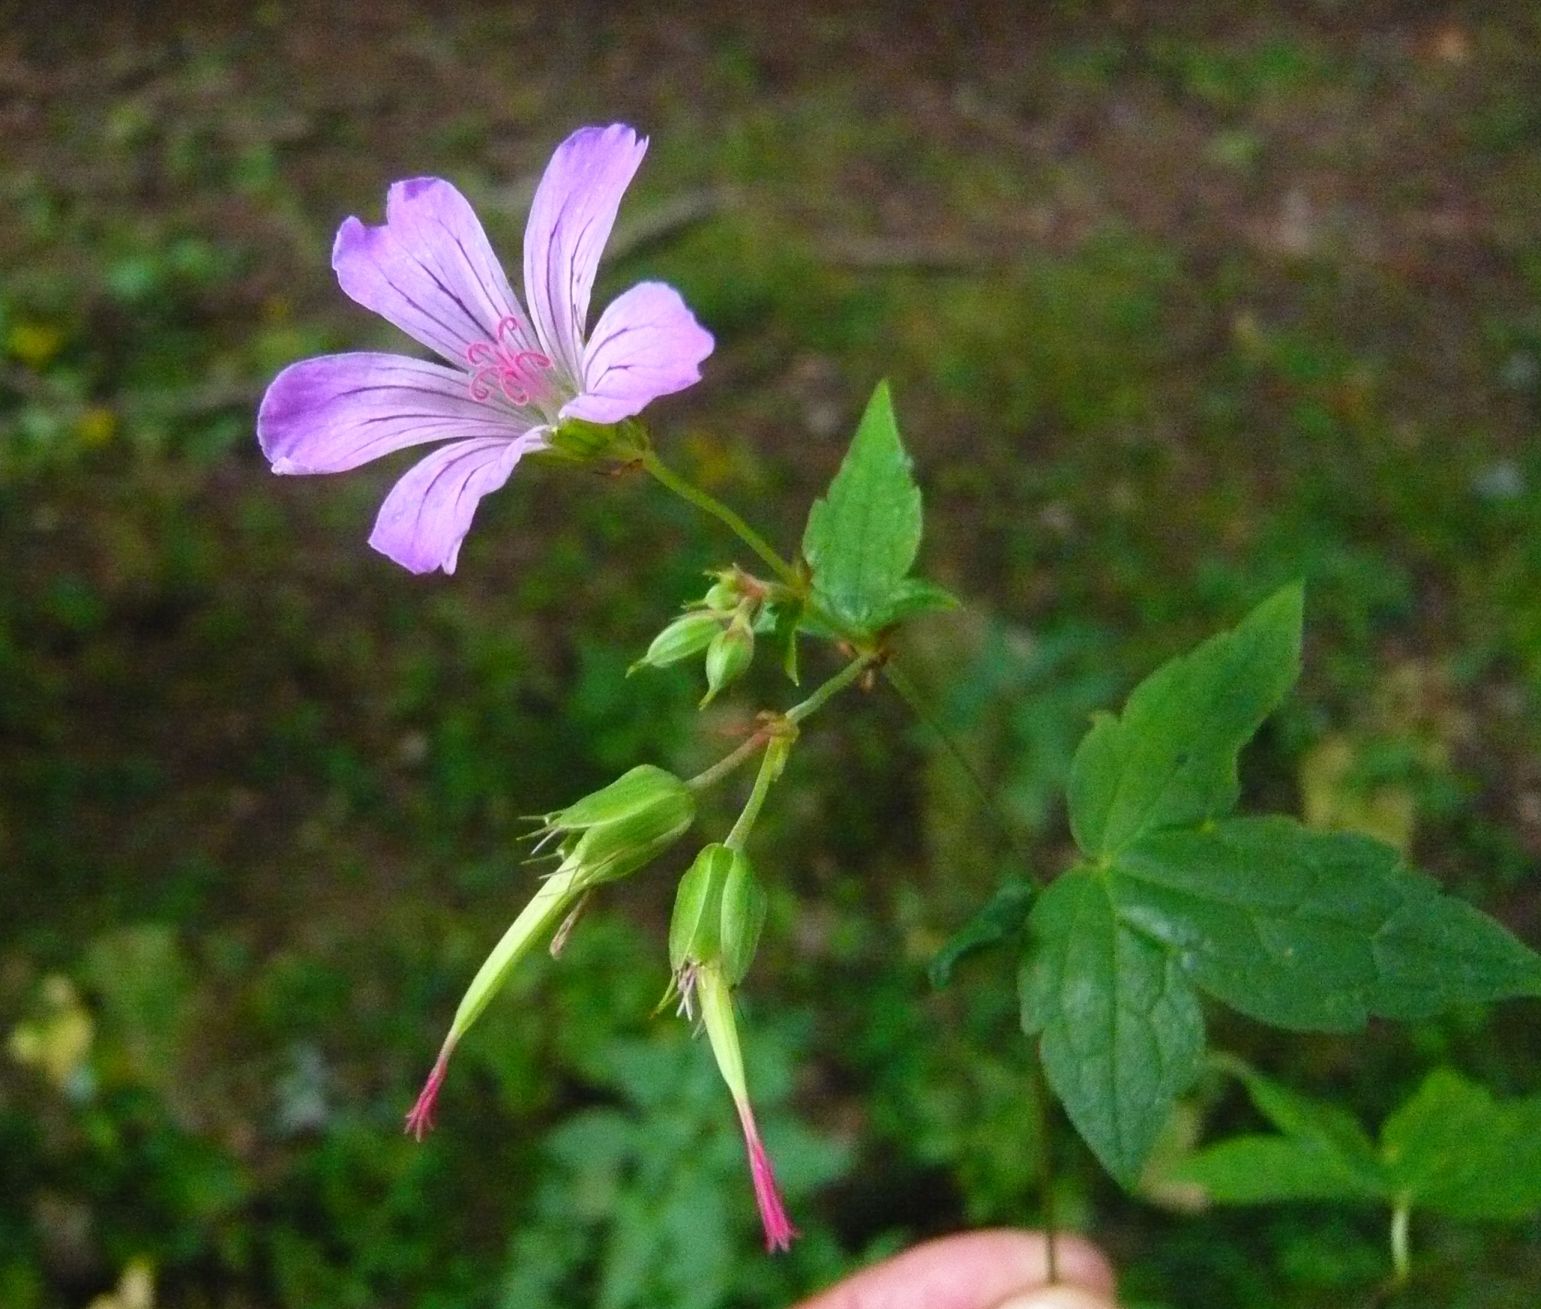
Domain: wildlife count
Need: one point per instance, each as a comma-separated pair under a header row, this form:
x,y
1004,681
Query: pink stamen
x,y
420,1117
507,363
779,1231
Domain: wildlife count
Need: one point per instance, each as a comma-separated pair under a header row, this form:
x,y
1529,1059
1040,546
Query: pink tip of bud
x,y
420,1118
779,1231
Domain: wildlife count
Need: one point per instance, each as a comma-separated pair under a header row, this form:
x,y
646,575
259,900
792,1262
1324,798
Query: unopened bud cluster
x,y
721,624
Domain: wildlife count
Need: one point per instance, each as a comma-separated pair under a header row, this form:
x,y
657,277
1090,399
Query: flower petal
x,y
570,221
646,344
428,269
428,513
335,412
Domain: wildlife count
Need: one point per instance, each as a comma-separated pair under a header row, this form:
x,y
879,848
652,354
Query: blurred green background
x,y
1177,303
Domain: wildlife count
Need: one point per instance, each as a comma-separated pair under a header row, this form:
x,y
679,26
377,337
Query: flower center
x,y
508,363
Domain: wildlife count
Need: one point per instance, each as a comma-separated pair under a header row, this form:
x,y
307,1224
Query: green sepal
x,y
719,911
687,636
744,907
583,441
622,826
695,926
728,656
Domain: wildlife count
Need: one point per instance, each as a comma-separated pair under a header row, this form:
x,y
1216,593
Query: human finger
x,y
976,1270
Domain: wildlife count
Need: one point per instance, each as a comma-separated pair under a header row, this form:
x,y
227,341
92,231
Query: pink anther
x,y
505,363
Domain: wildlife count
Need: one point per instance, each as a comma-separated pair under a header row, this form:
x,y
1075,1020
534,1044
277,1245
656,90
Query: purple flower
x,y
513,377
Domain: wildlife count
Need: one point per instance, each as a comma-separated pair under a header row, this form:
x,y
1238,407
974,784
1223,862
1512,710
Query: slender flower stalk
x,y
823,694
707,503
770,769
716,999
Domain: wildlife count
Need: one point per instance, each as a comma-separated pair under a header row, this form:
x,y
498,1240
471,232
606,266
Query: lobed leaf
x,y
1268,1169
1122,1034
1170,758
1451,1148
1455,1149
1313,931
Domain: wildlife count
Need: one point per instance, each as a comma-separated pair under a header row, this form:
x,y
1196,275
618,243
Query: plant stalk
x,y
770,769
709,504
1040,1097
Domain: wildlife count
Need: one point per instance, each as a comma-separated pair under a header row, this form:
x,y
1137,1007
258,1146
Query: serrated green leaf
x,y
1122,1034
1455,1149
1452,1148
1323,1129
1001,918
1170,759
1313,930
1323,1154
1266,1170
914,596
863,535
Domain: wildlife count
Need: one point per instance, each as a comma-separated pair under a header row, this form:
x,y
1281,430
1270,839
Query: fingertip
x,y
976,1270
1058,1297
1078,1263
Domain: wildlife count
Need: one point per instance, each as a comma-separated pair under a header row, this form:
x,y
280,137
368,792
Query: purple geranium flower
x,y
514,376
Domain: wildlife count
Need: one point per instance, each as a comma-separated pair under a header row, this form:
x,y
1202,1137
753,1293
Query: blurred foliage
x,y
1178,303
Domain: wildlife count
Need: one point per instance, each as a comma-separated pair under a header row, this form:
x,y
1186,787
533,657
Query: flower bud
x,y
719,911
728,656
724,594
622,826
684,637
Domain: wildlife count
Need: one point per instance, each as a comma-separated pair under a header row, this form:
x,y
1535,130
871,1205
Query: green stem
x,y
711,776
836,684
709,504
770,769
901,683
1401,1258
1040,1097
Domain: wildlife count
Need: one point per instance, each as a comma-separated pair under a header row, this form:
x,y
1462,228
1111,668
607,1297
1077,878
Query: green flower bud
x,y
624,825
684,637
719,912
743,918
723,596
728,656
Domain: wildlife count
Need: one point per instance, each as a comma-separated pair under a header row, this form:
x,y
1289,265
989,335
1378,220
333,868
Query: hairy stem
x,y
709,504
907,692
770,769
711,776
836,684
